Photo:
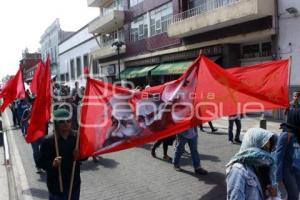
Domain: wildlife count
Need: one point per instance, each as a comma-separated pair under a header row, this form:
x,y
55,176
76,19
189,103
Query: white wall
x,y
69,50
289,32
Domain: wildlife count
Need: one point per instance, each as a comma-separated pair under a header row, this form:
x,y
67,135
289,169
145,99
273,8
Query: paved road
x,y
134,174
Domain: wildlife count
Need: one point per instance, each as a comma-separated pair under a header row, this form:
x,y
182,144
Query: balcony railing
x,y
208,6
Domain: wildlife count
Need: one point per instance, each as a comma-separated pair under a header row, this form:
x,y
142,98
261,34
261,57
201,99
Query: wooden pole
x,y
61,188
290,71
77,147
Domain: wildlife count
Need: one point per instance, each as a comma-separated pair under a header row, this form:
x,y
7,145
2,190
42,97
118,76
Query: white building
x,y
289,41
50,39
74,55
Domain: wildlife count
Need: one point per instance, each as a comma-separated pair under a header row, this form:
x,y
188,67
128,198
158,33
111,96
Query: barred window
x,y
139,28
160,18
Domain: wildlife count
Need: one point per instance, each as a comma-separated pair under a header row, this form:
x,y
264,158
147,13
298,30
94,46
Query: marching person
x,y
50,162
166,142
237,120
189,136
288,156
250,174
213,129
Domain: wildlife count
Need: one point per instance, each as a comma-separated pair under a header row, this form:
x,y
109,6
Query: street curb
x,y
20,178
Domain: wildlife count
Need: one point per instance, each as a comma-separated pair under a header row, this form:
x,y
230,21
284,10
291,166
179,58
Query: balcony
x,y
98,3
216,14
112,20
106,51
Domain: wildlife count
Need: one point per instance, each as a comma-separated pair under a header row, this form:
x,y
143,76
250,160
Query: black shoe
x,y
167,158
238,141
177,168
153,154
230,141
201,171
202,129
214,130
39,170
95,159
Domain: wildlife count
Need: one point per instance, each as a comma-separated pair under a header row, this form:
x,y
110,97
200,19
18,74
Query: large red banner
x,y
114,118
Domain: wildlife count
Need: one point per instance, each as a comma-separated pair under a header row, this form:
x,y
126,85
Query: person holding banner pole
x,y
58,153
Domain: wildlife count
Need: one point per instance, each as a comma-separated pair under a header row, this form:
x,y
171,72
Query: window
x,y
160,18
266,49
72,69
139,28
85,61
78,67
95,67
135,2
114,5
263,49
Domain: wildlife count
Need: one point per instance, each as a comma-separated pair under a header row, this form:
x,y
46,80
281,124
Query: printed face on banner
x,y
133,117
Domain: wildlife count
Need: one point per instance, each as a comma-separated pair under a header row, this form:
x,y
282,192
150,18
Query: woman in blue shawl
x,y
250,174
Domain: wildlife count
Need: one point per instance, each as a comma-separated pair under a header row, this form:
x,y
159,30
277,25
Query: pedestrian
x,y
237,120
213,129
166,142
294,104
13,108
50,162
23,107
288,156
189,136
250,174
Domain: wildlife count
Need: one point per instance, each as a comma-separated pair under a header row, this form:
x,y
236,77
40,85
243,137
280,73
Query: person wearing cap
x,y
50,162
288,156
250,174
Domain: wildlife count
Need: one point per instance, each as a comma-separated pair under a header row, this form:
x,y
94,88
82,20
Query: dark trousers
x,y
158,143
75,196
238,129
36,150
210,125
15,117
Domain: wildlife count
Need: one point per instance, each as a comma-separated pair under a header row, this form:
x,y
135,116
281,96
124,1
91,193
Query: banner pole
x,y
290,71
77,147
59,168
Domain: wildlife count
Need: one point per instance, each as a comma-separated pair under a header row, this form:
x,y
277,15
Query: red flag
x,y
13,89
37,78
115,118
41,109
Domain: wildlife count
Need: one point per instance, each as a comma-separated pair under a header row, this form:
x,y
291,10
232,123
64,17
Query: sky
x,y
24,21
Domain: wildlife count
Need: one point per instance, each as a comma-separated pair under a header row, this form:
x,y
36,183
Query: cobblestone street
x,y
134,174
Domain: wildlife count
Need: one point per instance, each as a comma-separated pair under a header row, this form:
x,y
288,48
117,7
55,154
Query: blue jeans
x,y
193,143
75,196
24,128
36,150
291,181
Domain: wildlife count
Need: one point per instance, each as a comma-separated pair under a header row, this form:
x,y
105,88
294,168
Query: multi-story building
x,y
28,64
49,41
288,34
162,37
74,54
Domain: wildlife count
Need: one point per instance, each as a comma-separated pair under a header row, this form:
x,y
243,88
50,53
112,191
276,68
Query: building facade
x,y
74,55
49,41
28,64
162,37
288,34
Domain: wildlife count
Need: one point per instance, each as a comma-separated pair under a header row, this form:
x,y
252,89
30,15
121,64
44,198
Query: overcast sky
x,y
24,21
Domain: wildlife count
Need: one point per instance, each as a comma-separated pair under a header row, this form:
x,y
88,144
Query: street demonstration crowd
x,y
267,165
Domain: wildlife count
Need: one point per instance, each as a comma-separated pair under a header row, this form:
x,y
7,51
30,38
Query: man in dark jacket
x,y
50,162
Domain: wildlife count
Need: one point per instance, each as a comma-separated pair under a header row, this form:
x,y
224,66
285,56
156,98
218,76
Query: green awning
x,y
136,72
171,68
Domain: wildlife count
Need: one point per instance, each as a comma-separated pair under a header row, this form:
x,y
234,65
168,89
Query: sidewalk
x,y
3,175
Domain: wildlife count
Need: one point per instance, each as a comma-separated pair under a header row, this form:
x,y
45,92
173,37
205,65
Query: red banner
x,y
41,109
12,90
115,118
37,78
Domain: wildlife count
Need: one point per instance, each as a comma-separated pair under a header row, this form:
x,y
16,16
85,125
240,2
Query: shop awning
x,y
136,72
175,67
171,68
